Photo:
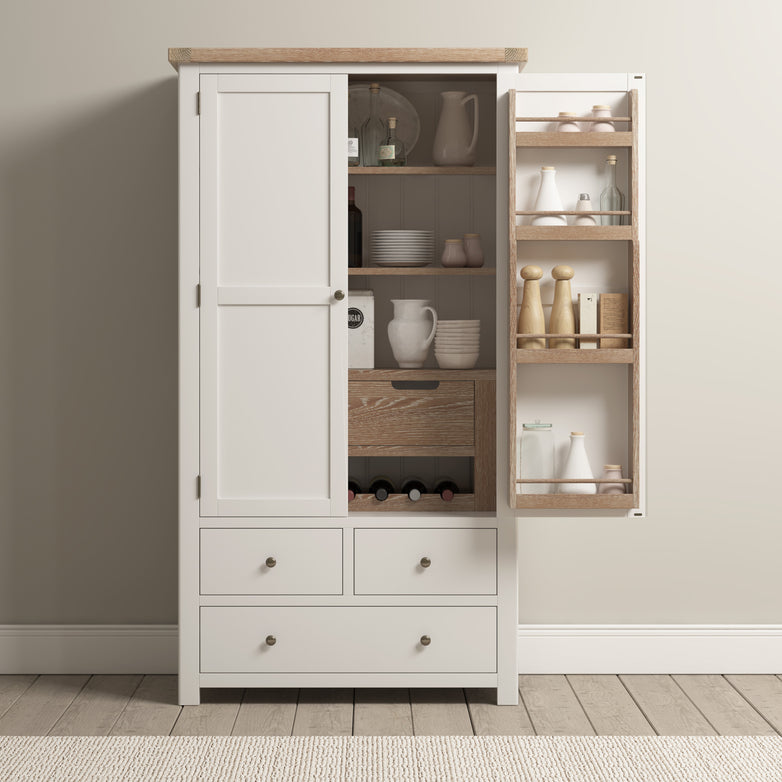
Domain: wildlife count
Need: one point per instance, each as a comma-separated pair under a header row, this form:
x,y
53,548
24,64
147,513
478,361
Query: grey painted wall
x,y
88,302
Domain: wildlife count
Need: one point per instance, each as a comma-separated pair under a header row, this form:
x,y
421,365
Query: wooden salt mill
x,y
531,320
562,320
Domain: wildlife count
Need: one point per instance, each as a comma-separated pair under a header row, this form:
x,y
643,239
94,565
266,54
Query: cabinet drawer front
x,y
303,561
379,414
348,640
461,561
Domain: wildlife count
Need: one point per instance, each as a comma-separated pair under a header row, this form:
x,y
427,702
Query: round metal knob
x,y
270,561
270,640
339,295
425,640
425,561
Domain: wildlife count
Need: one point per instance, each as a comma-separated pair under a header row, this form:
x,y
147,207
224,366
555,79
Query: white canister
x,y
473,250
536,457
602,125
612,471
453,254
570,126
361,330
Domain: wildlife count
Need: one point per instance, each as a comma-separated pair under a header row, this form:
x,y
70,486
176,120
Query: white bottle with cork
x,y
548,199
577,466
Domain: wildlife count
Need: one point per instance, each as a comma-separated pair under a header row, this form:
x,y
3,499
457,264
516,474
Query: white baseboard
x,y
650,649
88,648
541,649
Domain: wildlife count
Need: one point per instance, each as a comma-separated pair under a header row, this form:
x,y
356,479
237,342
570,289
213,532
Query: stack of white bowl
x,y
402,248
457,343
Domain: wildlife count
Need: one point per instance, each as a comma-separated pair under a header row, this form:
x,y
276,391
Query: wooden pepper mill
x,y
563,320
531,320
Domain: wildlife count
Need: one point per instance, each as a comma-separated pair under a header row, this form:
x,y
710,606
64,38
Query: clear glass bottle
x,y
392,151
611,199
536,457
373,131
354,158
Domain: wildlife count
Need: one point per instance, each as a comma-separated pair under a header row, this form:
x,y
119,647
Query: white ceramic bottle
x,y
548,199
584,205
577,466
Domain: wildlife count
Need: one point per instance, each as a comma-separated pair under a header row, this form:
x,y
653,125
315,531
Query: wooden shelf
x,y
558,139
575,501
401,503
423,170
411,450
419,271
573,119
575,356
421,374
574,232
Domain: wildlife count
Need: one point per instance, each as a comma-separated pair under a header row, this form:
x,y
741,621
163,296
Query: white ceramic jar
x,y
473,250
584,205
612,471
568,127
602,125
453,254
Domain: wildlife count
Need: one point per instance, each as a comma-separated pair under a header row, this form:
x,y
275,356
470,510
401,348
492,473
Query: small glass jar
x,y
473,250
536,457
453,254
602,125
568,127
611,471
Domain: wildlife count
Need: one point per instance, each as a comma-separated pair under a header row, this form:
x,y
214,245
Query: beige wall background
x,y
88,297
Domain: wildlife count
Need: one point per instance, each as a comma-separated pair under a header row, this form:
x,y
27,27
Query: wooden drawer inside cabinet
x,y
425,561
271,561
411,412
351,639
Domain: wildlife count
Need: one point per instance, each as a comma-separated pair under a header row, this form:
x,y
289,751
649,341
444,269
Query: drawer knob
x,y
339,295
270,561
425,640
270,640
425,561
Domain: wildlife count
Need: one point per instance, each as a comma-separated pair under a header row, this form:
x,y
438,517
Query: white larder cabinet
x,y
283,581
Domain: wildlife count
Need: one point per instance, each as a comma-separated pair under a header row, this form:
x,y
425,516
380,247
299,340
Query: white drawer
x,y
303,561
389,561
348,640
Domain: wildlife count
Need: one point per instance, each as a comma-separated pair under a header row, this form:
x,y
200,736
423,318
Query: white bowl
x,y
460,322
454,351
456,343
460,361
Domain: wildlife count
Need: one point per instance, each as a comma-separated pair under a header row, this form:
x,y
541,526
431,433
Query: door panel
x,y
273,337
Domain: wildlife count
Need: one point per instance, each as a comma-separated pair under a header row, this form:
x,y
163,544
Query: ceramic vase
x,y
577,466
410,332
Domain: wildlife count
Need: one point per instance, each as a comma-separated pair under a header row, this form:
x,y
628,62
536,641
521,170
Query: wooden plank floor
x,y
548,705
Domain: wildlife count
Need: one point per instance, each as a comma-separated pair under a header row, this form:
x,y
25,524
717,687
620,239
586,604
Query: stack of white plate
x,y
402,248
457,343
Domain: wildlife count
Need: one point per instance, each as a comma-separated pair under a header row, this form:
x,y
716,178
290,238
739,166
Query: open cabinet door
x,y
273,266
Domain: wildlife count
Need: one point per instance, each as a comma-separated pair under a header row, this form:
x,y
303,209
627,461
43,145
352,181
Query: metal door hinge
x,y
198,295
198,102
198,487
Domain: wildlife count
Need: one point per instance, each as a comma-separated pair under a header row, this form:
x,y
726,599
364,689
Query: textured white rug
x,y
392,759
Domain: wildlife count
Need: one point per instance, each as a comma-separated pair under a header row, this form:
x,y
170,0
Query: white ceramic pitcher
x,y
454,143
409,332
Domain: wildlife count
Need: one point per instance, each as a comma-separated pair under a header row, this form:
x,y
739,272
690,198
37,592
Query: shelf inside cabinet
x,y
400,503
421,374
423,170
425,271
574,232
557,139
575,356
575,501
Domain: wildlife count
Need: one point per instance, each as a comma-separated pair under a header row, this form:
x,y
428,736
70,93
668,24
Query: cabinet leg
x,y
508,690
189,692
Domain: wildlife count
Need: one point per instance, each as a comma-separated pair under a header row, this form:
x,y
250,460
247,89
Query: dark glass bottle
x,y
353,489
414,489
381,487
446,488
355,235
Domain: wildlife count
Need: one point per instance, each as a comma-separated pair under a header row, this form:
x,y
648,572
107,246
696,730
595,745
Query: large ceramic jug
x,y
454,143
409,332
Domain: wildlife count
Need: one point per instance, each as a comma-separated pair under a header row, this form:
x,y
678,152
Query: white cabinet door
x,y
273,242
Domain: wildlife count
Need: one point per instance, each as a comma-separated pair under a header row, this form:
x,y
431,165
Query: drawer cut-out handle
x,y
425,562
415,385
270,561
425,640
270,640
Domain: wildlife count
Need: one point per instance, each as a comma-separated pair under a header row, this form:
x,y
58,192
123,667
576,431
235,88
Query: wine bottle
x,y
355,232
353,489
373,131
414,489
354,158
381,487
392,151
446,488
611,199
